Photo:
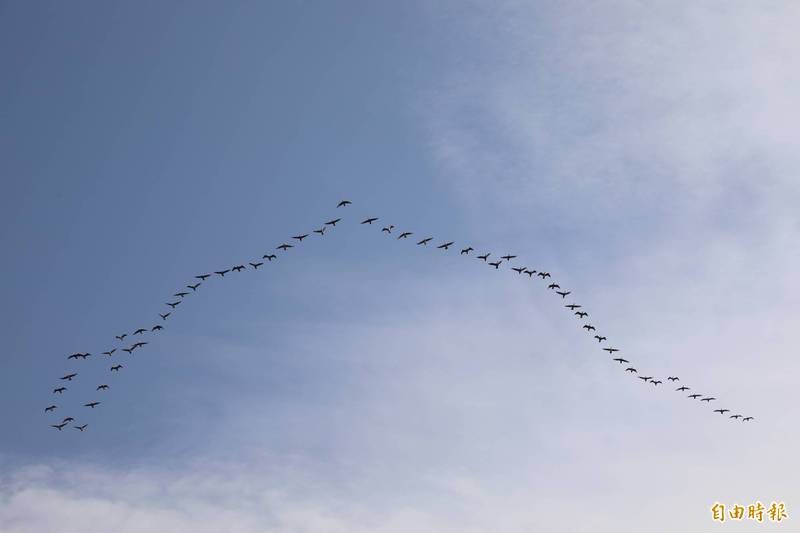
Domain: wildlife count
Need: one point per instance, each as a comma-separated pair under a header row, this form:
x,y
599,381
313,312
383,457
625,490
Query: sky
x,y
644,154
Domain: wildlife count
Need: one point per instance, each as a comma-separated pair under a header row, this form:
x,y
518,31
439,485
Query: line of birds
x,y
198,280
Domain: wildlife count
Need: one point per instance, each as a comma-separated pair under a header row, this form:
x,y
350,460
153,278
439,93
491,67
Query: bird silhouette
x,y
554,286
484,257
530,273
173,304
58,426
466,250
518,270
620,360
203,277
496,265
222,273
269,257
707,399
102,387
59,390
69,377
588,327
694,396
369,220
68,419
180,294
138,345
110,352
599,338
543,275
238,268
683,388
284,247
321,230
645,378
581,314
128,350
116,368
344,203
508,257
573,307
736,416
656,382
156,328
194,287
300,237
81,427
256,265
387,229
425,241
164,316
332,222
91,404
721,411
120,337
445,246
630,369
405,235
50,408
139,331
610,350
563,294
747,419
673,378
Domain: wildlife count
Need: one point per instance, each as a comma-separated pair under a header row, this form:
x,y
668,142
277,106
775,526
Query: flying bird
x,y
530,273
707,399
369,220
736,416
425,241
518,270
173,304
116,368
332,222
120,337
58,426
508,257
721,411
599,338
164,316
180,294
223,272
645,378
108,353
139,331
484,257
157,328
128,350
138,345
69,377
238,268
610,350
747,419
620,360
466,250
673,378
321,230
68,419
573,307
543,274
496,265
694,396
405,235
588,327
59,390
256,265
102,387
581,314
81,427
445,246
630,369
194,287
656,382
554,286
388,229
203,277
563,294
269,257
284,247
300,237
683,388
50,408
344,203
74,356
91,404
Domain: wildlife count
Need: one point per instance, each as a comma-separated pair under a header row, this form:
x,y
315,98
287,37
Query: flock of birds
x,y
578,311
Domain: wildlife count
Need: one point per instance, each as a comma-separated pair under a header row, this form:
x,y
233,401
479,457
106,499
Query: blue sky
x,y
645,156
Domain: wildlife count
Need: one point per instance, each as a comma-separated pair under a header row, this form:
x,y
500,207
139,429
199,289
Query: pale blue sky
x,y
645,156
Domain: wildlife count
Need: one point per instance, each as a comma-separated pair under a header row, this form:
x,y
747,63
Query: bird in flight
x,y
656,382
164,316
694,396
59,390
238,268
466,250
543,274
321,230
581,314
530,273
630,369
573,307
645,378
425,241
180,294
388,229
332,222
496,265
222,273
120,337
747,419
110,352
157,328
284,247
81,427
405,235
173,304
508,257
91,404
554,286
138,345
563,294
620,360
69,377
58,426
369,220
736,416
116,368
68,419
344,203
599,338
673,378
128,350
102,387
139,331
78,355
484,257
300,237
682,388
445,246
588,327
721,411
707,399
269,257
518,270
256,265
203,277
611,350
50,408
194,287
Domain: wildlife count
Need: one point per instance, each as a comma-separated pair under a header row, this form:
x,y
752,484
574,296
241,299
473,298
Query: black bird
x,y
610,350
466,250
405,235
58,426
388,229
50,408
620,360
573,307
116,368
108,353
164,316
630,369
81,427
681,389
599,338
370,220
563,294
710,398
300,237
581,314
102,387
332,222
180,294
344,203
736,416
238,268
496,265
74,356
284,247
721,411
69,377
445,246
484,257
68,419
157,328
554,286
656,382
321,230
747,419
173,304
269,257
673,378
194,287
530,273
223,272
138,345
425,241
518,270
543,274
508,257
203,277
139,331
256,265
91,404
588,327
120,337
694,396
128,350
645,378
59,390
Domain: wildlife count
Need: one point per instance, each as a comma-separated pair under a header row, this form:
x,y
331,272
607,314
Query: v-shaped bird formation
x,y
543,277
